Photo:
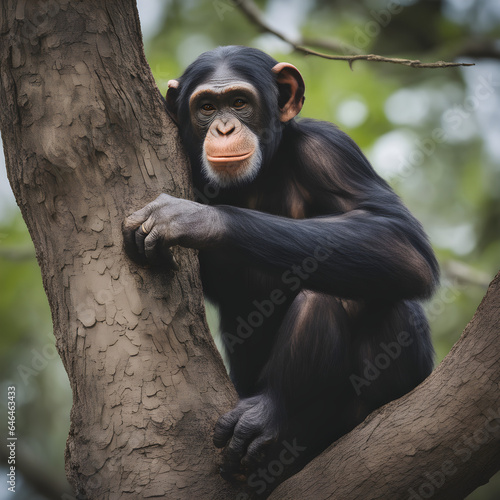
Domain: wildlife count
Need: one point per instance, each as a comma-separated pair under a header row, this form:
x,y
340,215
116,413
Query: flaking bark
x,y
87,141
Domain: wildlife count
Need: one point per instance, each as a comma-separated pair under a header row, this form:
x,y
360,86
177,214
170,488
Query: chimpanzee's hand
x,y
167,221
246,432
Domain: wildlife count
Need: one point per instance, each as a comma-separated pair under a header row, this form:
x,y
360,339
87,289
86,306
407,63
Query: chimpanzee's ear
x,y
291,87
171,99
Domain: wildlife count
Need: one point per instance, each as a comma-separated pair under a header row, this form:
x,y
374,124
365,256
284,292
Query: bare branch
x,y
414,63
254,15
480,49
465,274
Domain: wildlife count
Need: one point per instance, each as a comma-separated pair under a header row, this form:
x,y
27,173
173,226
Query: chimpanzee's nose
x,y
225,128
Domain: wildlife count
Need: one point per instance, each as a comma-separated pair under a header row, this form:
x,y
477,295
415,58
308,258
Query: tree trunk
x,y
87,141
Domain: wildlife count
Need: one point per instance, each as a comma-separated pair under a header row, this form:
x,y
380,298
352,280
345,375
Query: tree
x,y
87,141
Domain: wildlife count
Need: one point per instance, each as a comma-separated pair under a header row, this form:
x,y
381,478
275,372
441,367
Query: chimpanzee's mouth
x,y
229,159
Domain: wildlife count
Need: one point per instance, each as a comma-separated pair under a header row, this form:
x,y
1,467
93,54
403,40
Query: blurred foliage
x,y
394,113
29,359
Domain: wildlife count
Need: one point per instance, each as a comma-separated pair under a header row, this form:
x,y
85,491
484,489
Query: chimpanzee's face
x,y
225,118
225,114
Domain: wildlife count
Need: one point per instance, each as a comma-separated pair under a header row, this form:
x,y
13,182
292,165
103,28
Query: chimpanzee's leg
x,y
299,381
336,361
333,362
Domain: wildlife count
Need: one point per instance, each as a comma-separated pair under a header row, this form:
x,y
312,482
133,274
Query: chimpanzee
x,y
312,260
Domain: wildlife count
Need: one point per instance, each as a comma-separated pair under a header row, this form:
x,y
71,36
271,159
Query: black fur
x,y
315,195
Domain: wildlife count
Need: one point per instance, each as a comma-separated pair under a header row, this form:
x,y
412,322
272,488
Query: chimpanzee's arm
x,y
375,250
357,254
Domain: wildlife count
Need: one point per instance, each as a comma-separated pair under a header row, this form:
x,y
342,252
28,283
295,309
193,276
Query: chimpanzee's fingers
x,y
153,246
231,466
256,450
168,257
156,246
225,426
130,242
137,218
140,236
244,433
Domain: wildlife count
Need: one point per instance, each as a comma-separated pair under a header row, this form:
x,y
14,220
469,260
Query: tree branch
x,y
479,49
465,274
253,14
441,440
330,44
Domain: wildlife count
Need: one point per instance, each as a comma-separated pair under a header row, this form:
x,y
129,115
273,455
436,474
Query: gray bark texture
x,y
87,141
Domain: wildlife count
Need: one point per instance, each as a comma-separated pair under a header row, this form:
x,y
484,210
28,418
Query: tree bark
x,y
87,141
441,441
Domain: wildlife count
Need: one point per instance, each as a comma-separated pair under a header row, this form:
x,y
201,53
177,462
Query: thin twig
x,y
254,15
414,63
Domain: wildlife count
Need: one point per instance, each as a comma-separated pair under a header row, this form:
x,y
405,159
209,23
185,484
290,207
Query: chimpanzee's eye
x,y
239,103
208,107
